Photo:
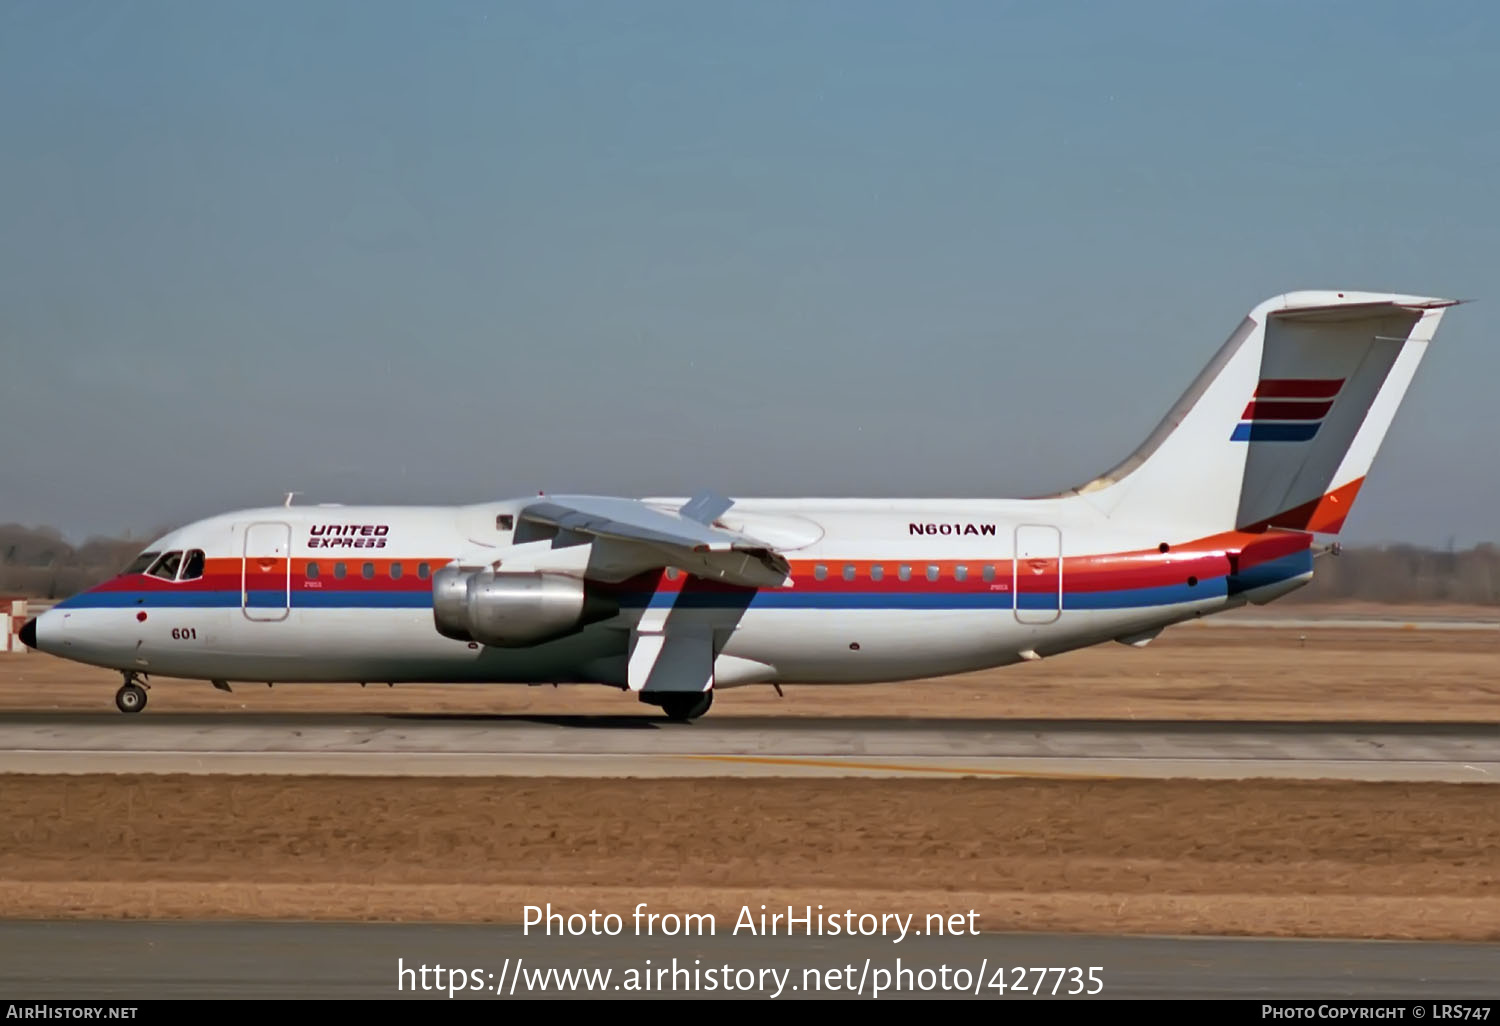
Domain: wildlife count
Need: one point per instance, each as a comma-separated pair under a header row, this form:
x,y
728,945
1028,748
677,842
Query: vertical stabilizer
x,y
1280,429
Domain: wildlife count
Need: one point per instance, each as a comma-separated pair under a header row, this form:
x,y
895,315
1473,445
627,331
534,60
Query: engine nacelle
x,y
450,602
513,610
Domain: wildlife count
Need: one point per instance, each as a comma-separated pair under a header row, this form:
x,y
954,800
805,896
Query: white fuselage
x,y
1219,506
879,591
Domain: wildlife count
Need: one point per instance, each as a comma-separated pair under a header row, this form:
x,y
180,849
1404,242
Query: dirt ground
x,y
1190,672
1278,858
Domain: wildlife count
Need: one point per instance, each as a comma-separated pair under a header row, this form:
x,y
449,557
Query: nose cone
x,y
28,633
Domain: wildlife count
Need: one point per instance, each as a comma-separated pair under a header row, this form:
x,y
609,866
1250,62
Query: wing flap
x,y
686,539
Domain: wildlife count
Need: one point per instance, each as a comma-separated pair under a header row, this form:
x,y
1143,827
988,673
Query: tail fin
x,y
1280,429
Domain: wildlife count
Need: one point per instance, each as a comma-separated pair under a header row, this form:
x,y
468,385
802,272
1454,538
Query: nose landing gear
x,y
131,698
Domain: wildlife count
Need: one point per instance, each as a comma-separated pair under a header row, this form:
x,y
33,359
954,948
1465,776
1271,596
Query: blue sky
x,y
448,252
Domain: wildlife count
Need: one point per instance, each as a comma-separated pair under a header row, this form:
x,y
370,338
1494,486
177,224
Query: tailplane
x,y
1280,429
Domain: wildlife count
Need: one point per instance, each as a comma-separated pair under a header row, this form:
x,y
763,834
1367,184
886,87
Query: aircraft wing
x,y
686,538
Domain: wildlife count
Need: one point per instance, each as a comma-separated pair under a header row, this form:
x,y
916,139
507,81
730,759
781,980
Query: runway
x,y
125,960
648,746
1372,623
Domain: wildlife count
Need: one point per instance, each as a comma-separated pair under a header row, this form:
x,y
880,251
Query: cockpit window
x,y
166,566
192,566
142,561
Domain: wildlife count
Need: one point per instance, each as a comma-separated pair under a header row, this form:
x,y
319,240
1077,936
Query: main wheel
x,y
686,706
131,698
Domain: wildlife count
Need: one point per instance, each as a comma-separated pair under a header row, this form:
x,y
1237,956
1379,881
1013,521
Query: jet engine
x,y
513,610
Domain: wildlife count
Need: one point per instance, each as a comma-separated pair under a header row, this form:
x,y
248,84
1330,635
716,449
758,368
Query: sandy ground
x,y
1225,857
1190,672
1221,857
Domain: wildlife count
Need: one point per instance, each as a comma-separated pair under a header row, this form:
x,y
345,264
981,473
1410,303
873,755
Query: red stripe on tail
x,y
1278,409
1298,388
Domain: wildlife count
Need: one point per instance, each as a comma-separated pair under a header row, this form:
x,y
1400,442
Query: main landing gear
x,y
131,698
682,706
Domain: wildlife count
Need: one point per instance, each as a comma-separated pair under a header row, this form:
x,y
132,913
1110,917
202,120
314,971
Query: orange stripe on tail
x,y
1323,516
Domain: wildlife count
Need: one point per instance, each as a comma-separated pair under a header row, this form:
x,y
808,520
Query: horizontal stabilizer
x,y
1336,312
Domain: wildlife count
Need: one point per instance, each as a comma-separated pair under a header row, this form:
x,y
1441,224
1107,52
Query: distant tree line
x,y
37,562
1406,573
40,563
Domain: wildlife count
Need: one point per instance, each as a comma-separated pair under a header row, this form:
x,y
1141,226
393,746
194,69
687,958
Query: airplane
x,y
1227,502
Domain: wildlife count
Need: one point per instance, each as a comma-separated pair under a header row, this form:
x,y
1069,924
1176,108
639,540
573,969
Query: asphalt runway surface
x,y
643,745
146,960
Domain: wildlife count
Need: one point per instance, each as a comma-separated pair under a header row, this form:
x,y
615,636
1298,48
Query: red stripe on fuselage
x,y
1204,559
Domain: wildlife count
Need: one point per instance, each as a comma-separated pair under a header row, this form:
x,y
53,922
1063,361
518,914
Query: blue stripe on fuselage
x,y
769,599
1274,572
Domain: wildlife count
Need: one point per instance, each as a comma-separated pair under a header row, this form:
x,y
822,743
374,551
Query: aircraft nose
x,y
28,633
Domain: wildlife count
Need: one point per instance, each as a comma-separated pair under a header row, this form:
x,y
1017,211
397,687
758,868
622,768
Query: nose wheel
x,y
131,698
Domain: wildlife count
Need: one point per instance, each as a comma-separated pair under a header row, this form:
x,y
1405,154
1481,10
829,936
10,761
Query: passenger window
x,y
339,570
989,571
505,522
144,560
848,571
312,571
820,572
877,572
367,571
423,570
960,573
932,572
166,566
395,571
904,573
192,567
